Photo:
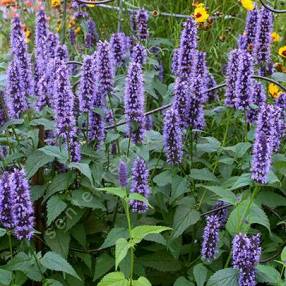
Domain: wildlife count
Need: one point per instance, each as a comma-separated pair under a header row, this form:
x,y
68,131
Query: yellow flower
x,y
27,35
71,23
247,4
274,90
275,37
200,13
282,52
56,3
77,30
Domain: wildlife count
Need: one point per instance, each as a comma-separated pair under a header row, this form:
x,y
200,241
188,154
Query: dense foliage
x,y
134,157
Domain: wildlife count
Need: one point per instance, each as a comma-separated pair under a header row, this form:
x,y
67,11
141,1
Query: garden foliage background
x,y
80,205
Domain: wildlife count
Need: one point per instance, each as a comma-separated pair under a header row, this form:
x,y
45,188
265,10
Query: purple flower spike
x,y
210,238
87,84
246,252
231,77
201,67
188,45
5,202
263,145
15,97
41,35
123,174
139,54
258,99
62,53
43,98
149,122
21,205
244,88
221,213
133,24
251,29
173,138
52,43
142,24
96,131
134,103
139,185
262,47
74,150
175,62
210,83
118,48
91,37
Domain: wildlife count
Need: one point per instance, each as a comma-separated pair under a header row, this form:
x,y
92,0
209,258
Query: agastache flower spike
x,y
87,84
149,122
15,98
41,35
134,103
251,29
221,214
21,205
246,252
123,174
139,185
52,43
173,138
175,62
244,88
142,24
5,201
96,128
263,145
133,24
210,238
43,93
210,83
118,48
91,36
262,47
139,54
188,45
279,127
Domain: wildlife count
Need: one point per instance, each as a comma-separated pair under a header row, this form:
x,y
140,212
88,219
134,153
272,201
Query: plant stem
x,y
10,243
64,22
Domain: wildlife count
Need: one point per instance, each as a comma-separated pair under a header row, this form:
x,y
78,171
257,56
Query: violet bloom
x,y
139,54
182,101
258,99
142,24
221,213
5,201
87,84
72,36
210,238
118,48
21,205
244,86
211,83
91,36
148,122
175,62
74,146
263,145
201,65
251,29
20,54
133,24
188,45
15,98
262,46
246,252
123,174
139,185
43,93
231,77
279,130
134,103
173,137
41,34
96,132
52,43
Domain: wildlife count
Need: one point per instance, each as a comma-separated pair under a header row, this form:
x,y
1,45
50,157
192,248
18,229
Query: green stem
x,y
64,22
129,143
10,244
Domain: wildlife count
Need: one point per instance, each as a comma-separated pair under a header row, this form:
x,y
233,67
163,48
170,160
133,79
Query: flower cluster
x,y
16,210
118,48
123,174
91,36
139,54
142,24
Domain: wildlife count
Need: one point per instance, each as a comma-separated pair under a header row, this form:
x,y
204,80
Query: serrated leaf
x,y
268,274
55,151
142,281
35,161
200,274
183,218
224,277
55,206
225,194
52,282
103,264
84,169
270,199
283,255
5,277
86,199
54,261
113,236
203,175
48,124
121,249
139,232
239,150
243,181
2,232
119,192
182,281
163,178
114,279
209,145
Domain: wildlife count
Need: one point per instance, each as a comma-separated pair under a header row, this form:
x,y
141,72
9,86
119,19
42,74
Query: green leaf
x,y
279,76
2,232
119,192
5,277
86,199
224,277
55,151
35,161
179,187
84,169
183,218
54,261
48,124
103,264
182,281
243,181
52,282
163,178
283,255
139,232
55,207
200,274
270,199
142,281
203,175
114,279
268,274
225,194
121,249
11,122
238,150
209,145
138,197
113,236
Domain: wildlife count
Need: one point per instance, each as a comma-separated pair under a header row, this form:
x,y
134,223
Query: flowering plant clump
x,y
142,143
